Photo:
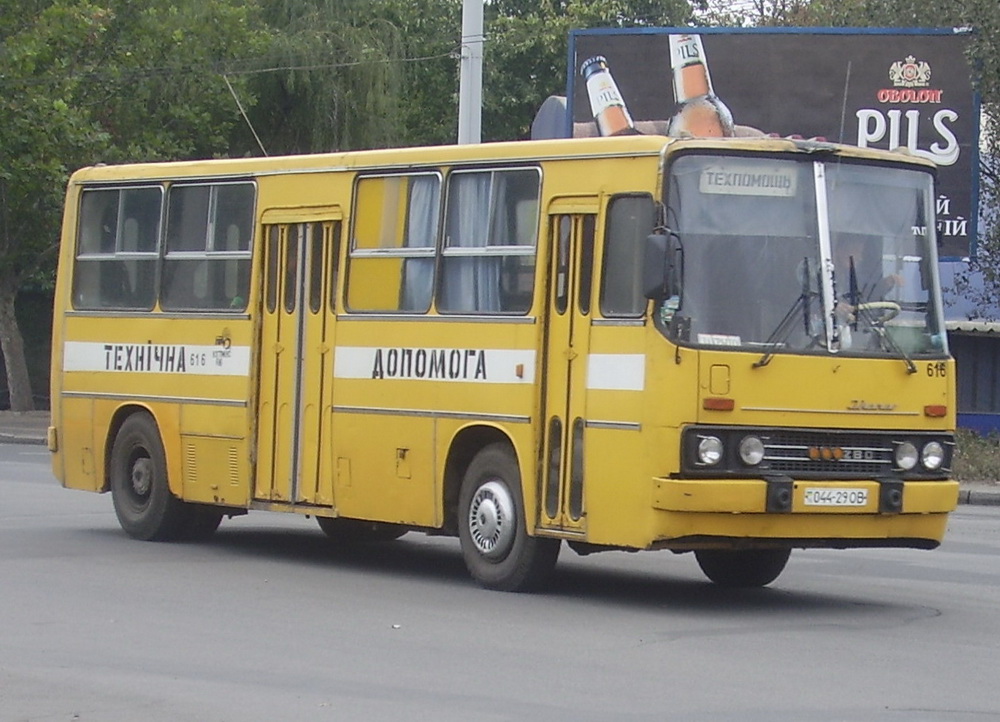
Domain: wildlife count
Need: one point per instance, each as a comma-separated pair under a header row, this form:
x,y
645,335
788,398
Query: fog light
x,y
710,450
906,456
751,450
932,456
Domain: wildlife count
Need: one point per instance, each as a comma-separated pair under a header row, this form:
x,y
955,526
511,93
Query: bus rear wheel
x,y
742,567
138,474
492,528
201,523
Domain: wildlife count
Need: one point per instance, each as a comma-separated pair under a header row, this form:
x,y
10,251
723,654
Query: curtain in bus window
x,y
421,231
471,282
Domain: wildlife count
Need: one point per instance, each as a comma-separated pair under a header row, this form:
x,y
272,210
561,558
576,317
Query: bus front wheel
x,y
742,567
497,549
138,473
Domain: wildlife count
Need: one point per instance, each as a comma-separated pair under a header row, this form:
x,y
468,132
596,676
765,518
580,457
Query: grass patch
x,y
977,458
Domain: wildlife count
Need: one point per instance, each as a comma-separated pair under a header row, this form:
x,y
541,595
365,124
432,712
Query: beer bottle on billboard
x,y
699,112
606,104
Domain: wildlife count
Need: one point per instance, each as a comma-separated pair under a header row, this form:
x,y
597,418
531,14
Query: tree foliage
x,y
84,82
330,78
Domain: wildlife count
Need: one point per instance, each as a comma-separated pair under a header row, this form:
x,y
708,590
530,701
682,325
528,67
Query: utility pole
x,y
470,84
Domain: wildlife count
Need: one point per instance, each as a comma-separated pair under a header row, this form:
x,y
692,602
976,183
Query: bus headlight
x,y
710,450
932,456
751,450
906,456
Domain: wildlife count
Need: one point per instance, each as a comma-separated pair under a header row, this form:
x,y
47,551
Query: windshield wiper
x,y
784,327
862,310
885,339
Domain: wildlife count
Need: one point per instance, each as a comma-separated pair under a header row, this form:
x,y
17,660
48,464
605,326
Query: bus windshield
x,y
797,255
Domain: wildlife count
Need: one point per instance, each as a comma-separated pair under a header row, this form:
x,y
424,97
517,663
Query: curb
x,y
979,497
15,439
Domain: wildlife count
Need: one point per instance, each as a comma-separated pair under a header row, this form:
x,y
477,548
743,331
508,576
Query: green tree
x,y
334,72
431,32
44,134
84,82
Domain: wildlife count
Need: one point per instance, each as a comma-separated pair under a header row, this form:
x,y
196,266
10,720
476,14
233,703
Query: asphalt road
x,y
269,622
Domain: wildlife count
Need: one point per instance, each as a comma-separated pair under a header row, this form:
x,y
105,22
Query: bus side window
x,y
630,221
394,237
117,245
207,260
490,241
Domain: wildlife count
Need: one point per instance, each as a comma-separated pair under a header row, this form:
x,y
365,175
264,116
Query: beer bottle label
x,y
685,50
603,92
687,58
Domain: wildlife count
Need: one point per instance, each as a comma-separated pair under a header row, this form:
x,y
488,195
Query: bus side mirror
x,y
661,269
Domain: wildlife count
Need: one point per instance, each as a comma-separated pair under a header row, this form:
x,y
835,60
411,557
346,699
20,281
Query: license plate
x,y
833,496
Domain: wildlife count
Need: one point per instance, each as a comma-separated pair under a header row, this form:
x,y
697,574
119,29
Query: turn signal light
x,y
936,411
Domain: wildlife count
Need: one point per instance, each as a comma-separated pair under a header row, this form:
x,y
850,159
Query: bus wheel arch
x,y
492,527
468,442
137,476
121,414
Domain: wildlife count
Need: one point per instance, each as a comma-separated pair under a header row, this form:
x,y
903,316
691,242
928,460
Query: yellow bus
x,y
731,347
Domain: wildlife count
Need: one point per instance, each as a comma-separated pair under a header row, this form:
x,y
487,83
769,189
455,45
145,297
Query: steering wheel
x,y
882,311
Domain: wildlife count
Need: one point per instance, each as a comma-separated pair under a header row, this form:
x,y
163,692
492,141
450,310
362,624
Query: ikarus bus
x,y
732,347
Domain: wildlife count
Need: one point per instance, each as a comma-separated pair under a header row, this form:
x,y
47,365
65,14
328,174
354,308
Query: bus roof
x,y
513,152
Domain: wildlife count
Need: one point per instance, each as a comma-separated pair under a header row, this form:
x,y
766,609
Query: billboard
x,y
879,89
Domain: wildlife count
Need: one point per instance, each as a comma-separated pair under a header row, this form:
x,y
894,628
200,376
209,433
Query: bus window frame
x,y
404,253
502,252
240,301
606,246
116,254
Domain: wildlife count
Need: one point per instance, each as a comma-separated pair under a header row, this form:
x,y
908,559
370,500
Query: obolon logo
x,y
837,453
911,79
910,73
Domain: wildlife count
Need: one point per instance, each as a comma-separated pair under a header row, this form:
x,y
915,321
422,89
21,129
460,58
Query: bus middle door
x,y
294,419
571,258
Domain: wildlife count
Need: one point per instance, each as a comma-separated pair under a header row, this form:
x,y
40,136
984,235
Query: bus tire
x,y
201,523
138,474
736,568
355,531
492,528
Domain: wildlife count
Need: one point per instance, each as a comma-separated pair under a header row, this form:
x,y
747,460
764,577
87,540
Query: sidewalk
x,y
30,428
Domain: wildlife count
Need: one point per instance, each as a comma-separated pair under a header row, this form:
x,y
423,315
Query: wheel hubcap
x,y
491,520
142,477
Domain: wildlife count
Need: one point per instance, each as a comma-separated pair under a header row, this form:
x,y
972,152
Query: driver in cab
x,y
861,287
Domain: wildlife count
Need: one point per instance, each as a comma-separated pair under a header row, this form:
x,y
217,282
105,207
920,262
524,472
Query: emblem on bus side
x,y
862,405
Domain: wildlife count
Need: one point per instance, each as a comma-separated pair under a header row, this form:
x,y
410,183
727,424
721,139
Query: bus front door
x,y
294,420
571,254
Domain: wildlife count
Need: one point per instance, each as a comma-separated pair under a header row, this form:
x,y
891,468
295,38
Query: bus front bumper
x,y
832,514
